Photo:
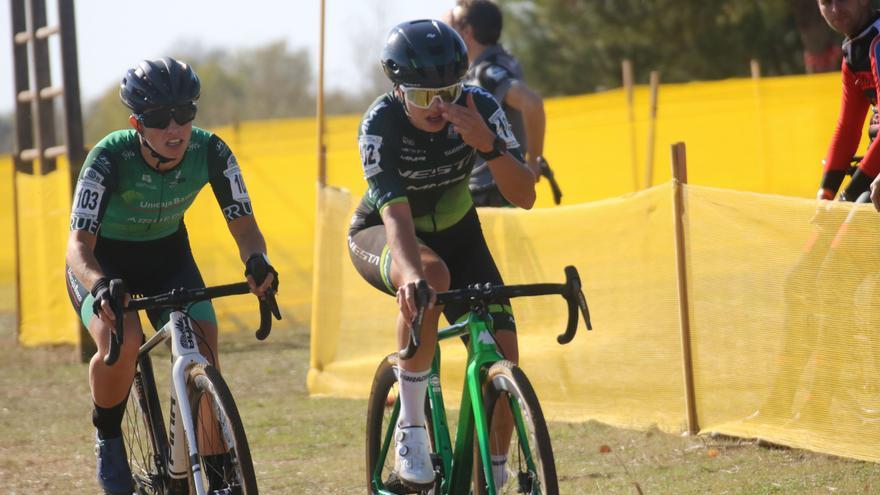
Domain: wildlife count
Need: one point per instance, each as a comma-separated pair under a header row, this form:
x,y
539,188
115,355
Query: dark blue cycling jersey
x,y
428,170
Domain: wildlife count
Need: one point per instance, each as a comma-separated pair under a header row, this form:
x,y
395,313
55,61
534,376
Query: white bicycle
x,y
205,449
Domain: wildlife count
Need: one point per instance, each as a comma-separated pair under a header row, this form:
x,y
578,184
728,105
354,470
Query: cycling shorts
x,y
462,247
147,268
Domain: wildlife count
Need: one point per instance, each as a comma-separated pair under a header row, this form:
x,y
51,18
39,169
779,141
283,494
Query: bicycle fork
x,y
185,352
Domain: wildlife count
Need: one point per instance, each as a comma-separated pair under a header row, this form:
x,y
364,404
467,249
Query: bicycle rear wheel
x,y
143,431
381,478
210,398
530,467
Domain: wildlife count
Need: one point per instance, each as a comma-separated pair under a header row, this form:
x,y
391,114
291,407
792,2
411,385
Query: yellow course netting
x,y
43,219
782,341
7,231
767,136
781,300
784,310
627,372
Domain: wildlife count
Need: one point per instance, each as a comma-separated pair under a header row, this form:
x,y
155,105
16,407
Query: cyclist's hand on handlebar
x,y
406,299
102,307
261,276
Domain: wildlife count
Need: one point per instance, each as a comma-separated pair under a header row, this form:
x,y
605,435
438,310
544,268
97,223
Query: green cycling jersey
x,y
119,196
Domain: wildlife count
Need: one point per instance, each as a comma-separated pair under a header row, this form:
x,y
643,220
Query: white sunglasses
x,y
424,97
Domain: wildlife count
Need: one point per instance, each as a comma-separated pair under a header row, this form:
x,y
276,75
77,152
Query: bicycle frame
x,y
457,462
184,354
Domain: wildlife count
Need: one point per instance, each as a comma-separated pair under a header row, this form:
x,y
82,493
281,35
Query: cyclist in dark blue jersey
x,y
127,222
417,220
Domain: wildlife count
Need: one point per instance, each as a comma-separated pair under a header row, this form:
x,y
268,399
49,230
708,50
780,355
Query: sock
x,y
108,421
499,470
413,387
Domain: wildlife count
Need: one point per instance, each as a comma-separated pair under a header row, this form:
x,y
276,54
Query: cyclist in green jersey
x,y
127,223
417,220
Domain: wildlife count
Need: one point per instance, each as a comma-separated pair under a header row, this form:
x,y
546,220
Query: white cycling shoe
x,y
413,457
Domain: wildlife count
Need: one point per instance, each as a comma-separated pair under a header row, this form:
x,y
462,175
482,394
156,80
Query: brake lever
x,y
268,309
547,172
415,334
576,300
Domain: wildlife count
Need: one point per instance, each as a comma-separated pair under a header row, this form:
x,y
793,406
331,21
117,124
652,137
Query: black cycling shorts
x,y
147,268
462,247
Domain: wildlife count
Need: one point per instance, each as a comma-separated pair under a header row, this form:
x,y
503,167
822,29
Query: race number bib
x,y
87,199
503,129
236,181
370,156
86,206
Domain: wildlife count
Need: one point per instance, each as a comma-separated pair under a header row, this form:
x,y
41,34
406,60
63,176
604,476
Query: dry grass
x,y
315,446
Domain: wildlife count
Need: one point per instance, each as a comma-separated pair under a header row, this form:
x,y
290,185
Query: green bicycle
x,y
490,382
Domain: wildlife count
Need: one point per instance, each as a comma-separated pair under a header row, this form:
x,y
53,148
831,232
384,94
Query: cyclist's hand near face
x,y
406,299
468,122
261,276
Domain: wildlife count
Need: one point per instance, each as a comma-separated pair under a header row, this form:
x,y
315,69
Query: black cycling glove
x,y
101,292
258,266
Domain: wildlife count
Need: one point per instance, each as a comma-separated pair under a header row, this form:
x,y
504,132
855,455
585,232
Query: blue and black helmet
x,y
159,83
424,54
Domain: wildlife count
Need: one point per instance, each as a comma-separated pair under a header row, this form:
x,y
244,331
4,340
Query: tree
x,y
576,46
259,83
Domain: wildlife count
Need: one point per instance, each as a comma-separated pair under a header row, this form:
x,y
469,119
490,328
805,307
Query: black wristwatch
x,y
499,147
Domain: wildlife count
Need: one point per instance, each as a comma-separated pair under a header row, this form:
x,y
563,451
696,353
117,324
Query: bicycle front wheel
x,y
224,454
143,431
515,413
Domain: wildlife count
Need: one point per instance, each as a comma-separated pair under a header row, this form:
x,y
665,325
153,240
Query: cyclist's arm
x,y
91,198
229,188
530,104
853,109
248,237
81,257
401,237
227,182
479,122
250,242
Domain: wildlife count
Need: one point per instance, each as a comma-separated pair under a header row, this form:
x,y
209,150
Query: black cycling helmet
x,y
424,54
159,83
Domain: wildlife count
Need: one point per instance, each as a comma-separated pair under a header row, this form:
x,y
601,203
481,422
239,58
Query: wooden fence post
x,y
679,179
652,125
627,69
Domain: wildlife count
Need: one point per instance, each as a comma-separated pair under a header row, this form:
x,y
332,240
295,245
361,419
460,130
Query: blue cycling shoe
x,y
114,475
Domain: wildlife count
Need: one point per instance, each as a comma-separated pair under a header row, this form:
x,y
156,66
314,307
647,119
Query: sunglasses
x,y
160,118
424,97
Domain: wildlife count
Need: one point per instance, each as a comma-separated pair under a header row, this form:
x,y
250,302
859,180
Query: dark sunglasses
x,y
161,117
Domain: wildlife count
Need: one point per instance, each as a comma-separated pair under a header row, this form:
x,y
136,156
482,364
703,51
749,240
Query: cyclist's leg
x,y
109,387
372,259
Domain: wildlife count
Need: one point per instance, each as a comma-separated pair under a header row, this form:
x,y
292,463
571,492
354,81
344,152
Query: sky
x,y
113,35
